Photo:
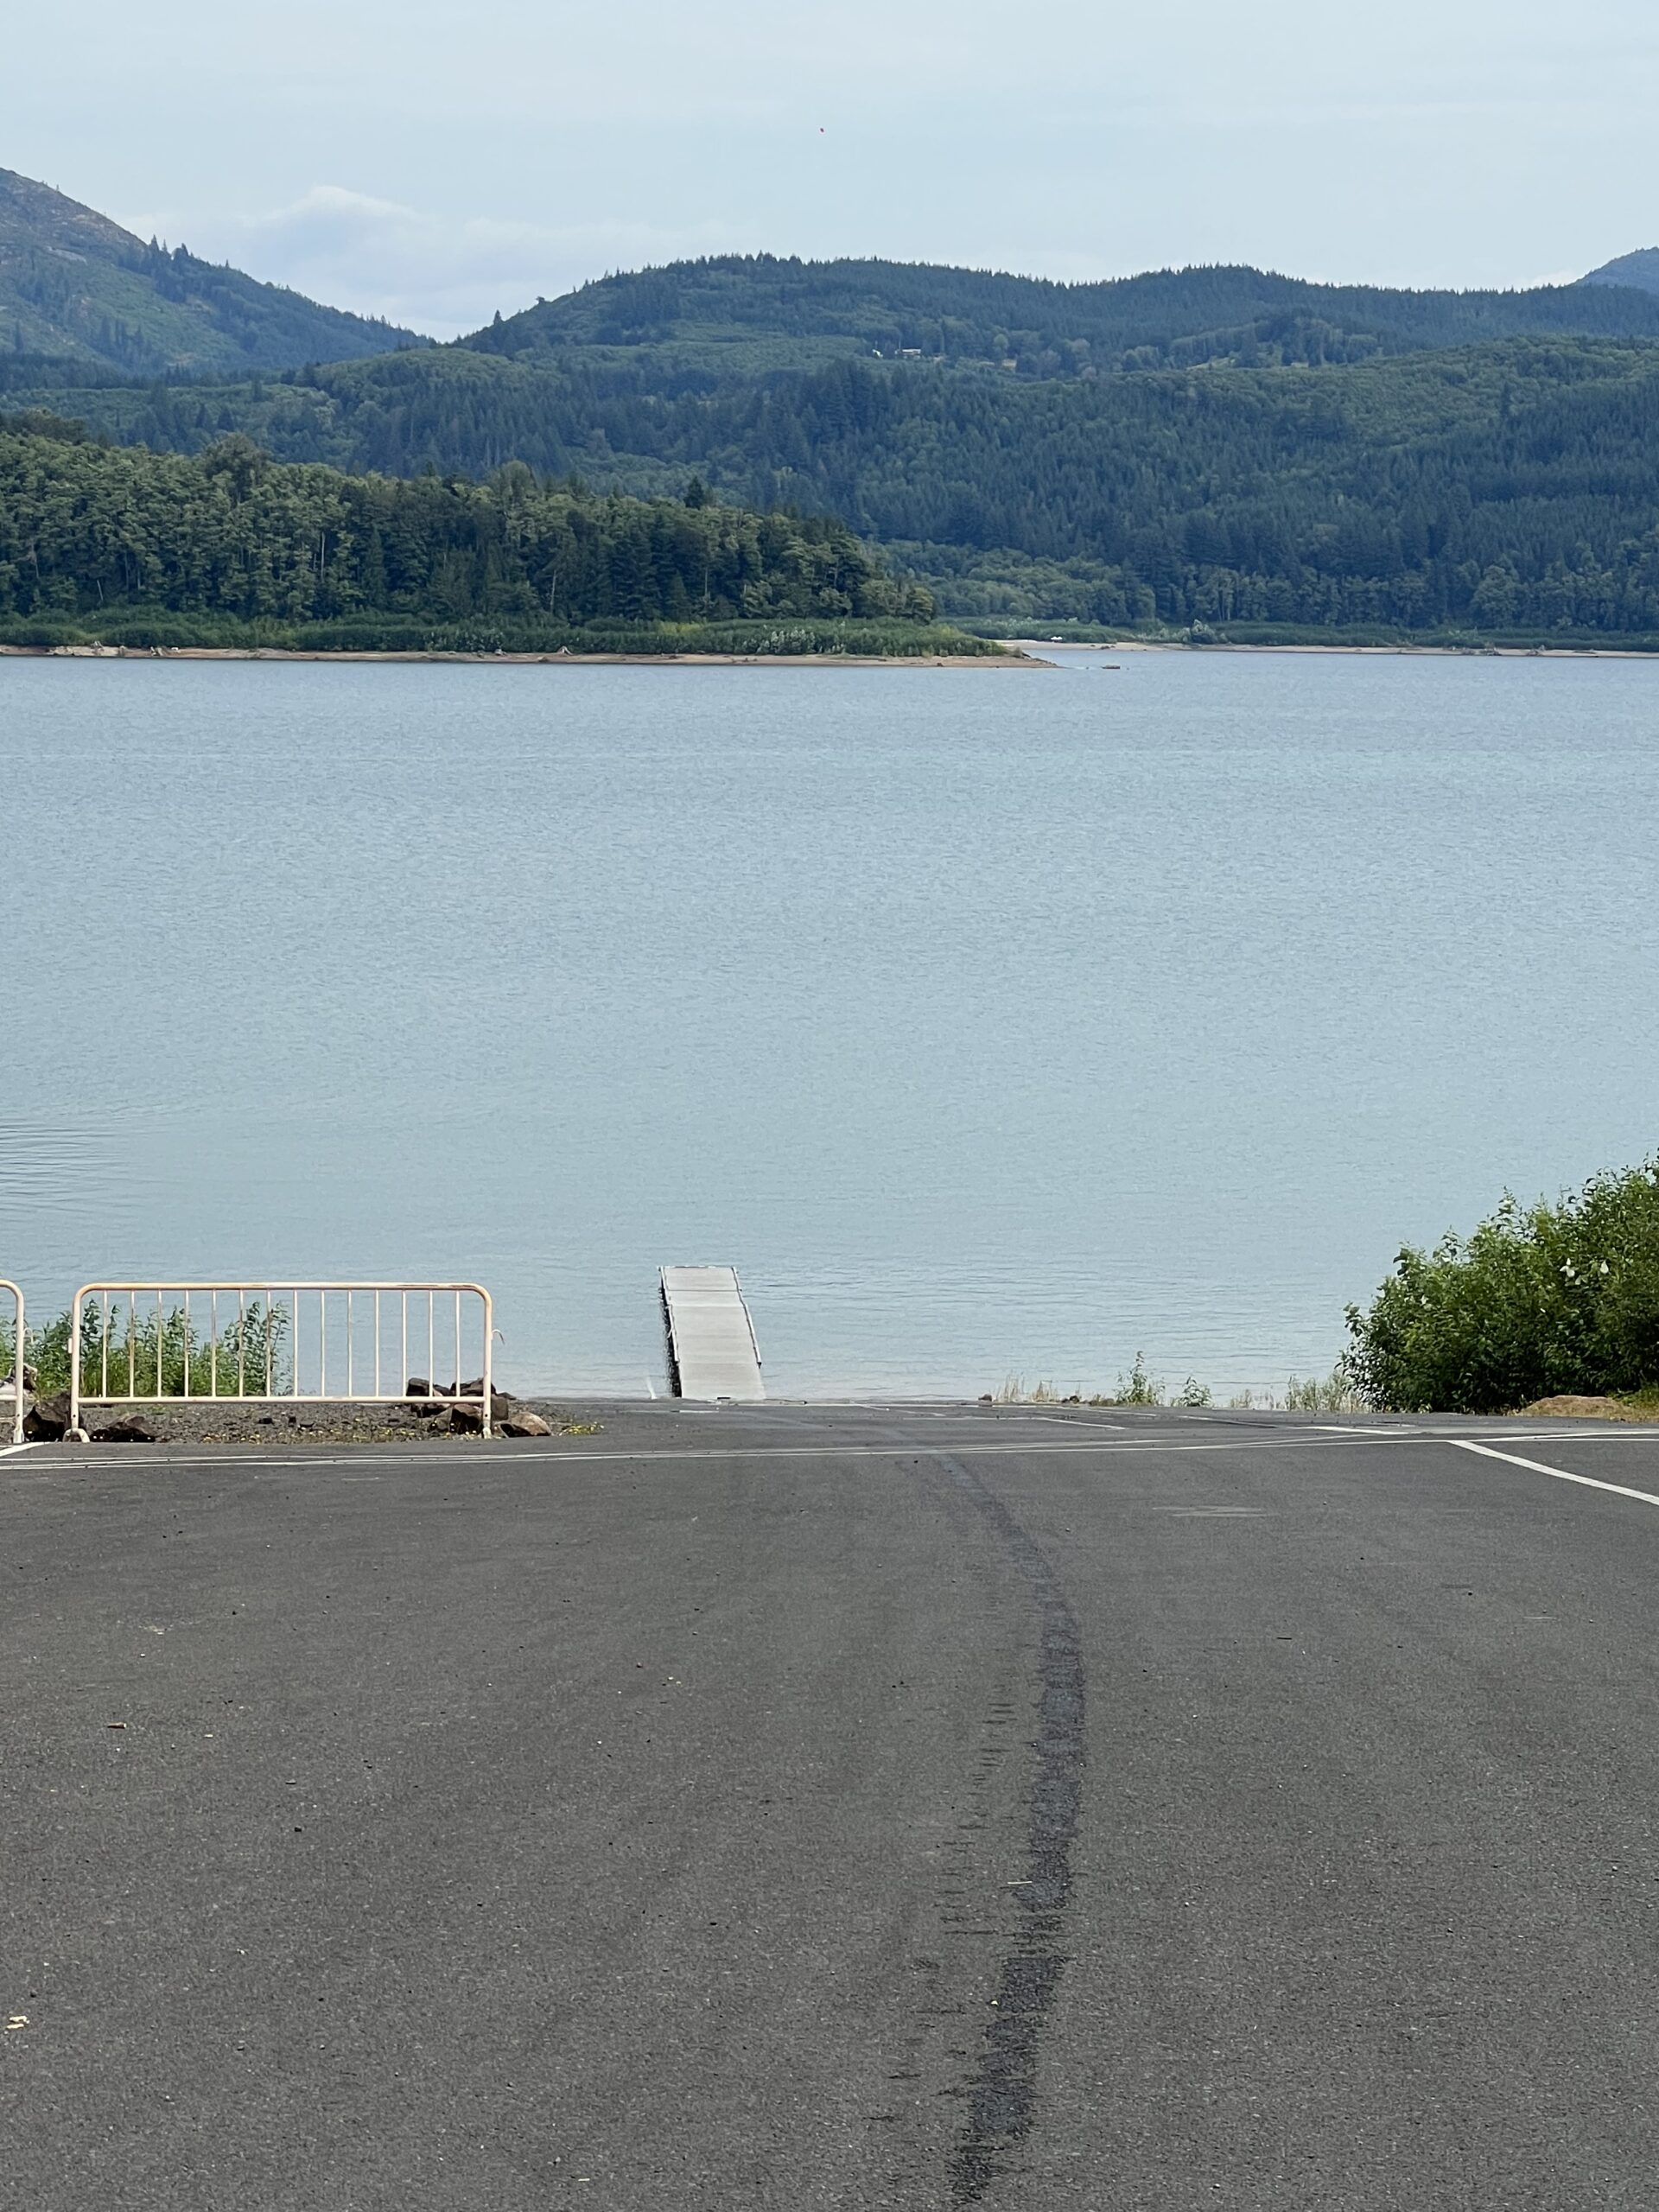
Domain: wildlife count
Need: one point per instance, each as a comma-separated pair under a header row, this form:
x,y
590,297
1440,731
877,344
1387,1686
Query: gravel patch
x,y
404,1421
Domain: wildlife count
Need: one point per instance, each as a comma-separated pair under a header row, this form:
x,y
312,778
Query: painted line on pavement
x,y
921,1448
267,1460
10,1450
1334,1428
1537,1467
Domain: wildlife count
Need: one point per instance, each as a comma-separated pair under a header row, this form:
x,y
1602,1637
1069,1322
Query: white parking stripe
x,y
275,1462
266,1460
1537,1467
10,1450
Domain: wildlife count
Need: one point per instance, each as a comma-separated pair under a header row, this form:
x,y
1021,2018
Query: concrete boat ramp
x,y
712,1353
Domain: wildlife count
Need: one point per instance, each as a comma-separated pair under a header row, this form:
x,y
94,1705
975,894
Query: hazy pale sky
x,y
433,163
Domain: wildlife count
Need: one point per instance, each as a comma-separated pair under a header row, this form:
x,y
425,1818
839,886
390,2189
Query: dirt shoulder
x,y
228,1420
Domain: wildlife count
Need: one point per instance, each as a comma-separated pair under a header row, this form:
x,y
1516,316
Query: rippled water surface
x,y
990,1023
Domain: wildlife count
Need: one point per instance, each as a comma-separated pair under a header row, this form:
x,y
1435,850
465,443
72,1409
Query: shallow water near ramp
x,y
986,1027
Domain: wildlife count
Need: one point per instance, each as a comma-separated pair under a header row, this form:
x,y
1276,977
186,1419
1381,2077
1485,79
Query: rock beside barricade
x,y
507,1417
466,1412
462,1401
129,1430
46,1421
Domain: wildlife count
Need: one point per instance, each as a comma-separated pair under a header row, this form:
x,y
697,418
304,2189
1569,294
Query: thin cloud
x,y
442,275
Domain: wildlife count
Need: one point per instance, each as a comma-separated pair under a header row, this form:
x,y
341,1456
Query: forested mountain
x,y
1507,487
752,313
1640,270
1215,446
74,284
88,531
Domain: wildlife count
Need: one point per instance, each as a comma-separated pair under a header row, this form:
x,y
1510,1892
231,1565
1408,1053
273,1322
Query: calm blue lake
x,y
990,1023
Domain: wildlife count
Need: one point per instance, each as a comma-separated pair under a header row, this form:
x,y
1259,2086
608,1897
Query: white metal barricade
x,y
278,1344
14,1388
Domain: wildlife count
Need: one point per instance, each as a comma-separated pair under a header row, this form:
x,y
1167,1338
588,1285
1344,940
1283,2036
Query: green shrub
x,y
143,1343
1540,1300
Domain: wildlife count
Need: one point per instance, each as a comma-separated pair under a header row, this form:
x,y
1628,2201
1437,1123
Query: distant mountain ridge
x,y
74,285
1203,448
1640,268
741,313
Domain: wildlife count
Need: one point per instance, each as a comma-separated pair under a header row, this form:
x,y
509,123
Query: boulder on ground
x,y
467,1415
48,1419
417,1387
521,1422
129,1430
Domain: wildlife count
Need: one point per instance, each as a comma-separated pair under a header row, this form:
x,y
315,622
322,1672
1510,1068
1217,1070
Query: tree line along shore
x,y
228,549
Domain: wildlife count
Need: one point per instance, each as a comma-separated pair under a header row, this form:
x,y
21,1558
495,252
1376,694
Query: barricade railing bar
x,y
278,1344
12,1386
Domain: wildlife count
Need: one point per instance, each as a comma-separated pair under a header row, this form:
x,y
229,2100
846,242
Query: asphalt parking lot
x,y
852,1807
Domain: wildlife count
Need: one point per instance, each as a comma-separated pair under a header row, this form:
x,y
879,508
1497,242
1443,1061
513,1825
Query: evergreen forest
x,y
748,313
1202,452
1510,490
123,545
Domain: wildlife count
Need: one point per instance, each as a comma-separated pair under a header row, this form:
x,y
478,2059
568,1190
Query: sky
x,y
434,162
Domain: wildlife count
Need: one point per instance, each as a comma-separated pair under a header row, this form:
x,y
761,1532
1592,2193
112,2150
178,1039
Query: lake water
x,y
990,1023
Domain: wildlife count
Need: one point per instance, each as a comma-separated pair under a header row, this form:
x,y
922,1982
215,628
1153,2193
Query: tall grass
x,y
1138,1388
1335,1395
1016,1391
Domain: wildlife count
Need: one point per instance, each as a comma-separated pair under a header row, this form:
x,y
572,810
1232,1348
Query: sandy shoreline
x,y
1039,645
1013,657
1020,653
